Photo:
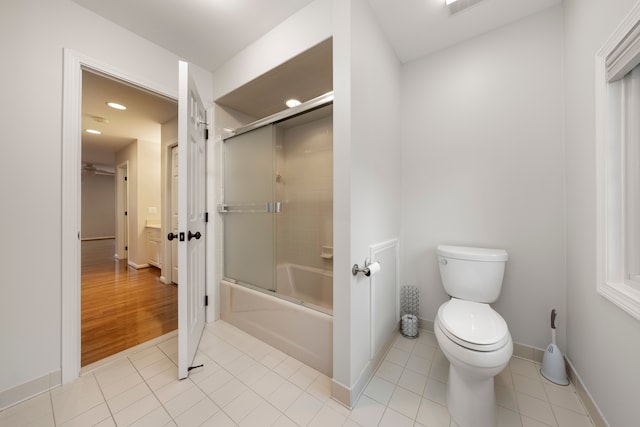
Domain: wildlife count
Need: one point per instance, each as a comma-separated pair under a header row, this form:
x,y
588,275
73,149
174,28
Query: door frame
x,y
74,63
122,205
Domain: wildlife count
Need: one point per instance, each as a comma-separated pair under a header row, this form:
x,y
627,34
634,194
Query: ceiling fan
x,y
89,169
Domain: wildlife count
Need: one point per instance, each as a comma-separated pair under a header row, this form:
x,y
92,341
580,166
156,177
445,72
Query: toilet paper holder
x,y
365,270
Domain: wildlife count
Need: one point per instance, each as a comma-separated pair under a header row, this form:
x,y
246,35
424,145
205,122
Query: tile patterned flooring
x,y
245,382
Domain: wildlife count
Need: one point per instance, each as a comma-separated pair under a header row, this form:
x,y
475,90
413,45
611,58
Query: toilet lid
x,y
474,325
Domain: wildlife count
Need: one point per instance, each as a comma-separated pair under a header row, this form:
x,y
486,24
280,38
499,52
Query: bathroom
x,y
473,184
488,142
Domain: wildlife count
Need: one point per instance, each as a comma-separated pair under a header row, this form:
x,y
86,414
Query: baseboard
x,y
590,405
30,389
536,354
349,396
87,239
137,266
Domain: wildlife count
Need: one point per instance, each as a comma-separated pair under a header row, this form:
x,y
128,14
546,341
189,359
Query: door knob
x,y
172,236
190,235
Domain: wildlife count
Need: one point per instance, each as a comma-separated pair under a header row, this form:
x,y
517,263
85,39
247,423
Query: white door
x,y
174,214
191,219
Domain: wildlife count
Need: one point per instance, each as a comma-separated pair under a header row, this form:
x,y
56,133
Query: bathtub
x,y
311,286
293,328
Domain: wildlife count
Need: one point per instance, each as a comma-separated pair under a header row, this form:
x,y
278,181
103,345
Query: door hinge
x,y
206,300
206,217
206,133
125,213
126,248
125,178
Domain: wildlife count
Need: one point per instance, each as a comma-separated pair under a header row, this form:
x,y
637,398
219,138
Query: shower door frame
x,y
223,208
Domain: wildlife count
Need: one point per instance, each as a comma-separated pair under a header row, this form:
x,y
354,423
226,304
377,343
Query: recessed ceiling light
x,y
116,106
292,103
449,1
93,131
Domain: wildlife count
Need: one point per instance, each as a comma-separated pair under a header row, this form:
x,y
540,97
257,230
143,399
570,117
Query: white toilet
x,y
473,337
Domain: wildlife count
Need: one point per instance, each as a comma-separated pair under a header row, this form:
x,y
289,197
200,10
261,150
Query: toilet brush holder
x,y
553,367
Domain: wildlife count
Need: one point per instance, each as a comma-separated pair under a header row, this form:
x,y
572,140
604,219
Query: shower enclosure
x,y
278,208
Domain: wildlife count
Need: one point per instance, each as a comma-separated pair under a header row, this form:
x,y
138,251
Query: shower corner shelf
x,y
327,252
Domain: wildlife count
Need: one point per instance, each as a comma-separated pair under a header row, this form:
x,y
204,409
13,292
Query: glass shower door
x,y
249,223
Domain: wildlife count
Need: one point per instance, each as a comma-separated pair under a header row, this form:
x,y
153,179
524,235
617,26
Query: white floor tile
x,y
283,421
183,401
436,391
531,386
268,384
242,405
303,409
228,392
197,414
568,418
284,396
397,356
565,397
413,381
432,414
93,416
157,417
220,419
389,371
391,418
536,409
379,389
214,381
129,397
327,416
133,413
320,388
508,418
405,402
263,415
248,383
367,412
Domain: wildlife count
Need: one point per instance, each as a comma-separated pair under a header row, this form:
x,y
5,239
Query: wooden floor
x,y
121,306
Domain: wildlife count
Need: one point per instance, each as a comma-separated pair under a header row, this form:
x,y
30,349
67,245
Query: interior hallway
x,y
121,306
248,383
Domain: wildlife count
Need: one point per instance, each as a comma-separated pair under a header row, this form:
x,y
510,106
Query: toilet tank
x,y
472,274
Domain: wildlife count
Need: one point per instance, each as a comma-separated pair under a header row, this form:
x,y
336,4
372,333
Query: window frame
x,y
619,55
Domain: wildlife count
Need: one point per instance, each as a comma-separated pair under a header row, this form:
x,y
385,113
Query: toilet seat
x,y
473,325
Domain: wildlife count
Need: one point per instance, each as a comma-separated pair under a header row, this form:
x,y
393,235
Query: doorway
x,y
124,302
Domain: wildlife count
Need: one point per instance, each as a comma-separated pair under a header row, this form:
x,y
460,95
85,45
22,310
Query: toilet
x,y
472,336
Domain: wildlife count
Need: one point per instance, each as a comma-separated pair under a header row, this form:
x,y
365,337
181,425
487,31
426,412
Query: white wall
x,y
98,206
366,175
33,34
602,340
483,165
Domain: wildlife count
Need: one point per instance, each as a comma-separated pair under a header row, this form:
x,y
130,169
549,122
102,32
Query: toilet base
x,y
471,400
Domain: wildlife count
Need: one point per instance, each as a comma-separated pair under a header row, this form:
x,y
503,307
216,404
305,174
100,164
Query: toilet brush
x,y
553,367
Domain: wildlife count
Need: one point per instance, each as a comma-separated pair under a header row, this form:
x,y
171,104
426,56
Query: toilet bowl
x,y
473,364
473,337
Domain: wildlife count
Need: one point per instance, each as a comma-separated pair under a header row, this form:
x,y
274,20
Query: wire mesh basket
x,y
409,308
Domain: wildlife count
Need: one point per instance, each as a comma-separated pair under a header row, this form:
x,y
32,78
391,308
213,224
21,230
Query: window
x,y
618,165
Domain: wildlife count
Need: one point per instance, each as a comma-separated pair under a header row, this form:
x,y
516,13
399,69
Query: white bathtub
x,y
312,286
301,332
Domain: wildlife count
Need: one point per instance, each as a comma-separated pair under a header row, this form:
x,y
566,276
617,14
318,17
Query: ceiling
x,y
210,32
141,120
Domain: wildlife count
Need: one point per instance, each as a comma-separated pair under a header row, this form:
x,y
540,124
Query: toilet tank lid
x,y
473,254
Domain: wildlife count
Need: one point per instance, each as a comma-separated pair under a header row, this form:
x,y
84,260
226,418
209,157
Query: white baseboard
x,y
137,266
30,389
349,396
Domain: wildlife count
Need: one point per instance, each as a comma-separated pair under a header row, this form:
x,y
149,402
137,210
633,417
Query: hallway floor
x,y
248,383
